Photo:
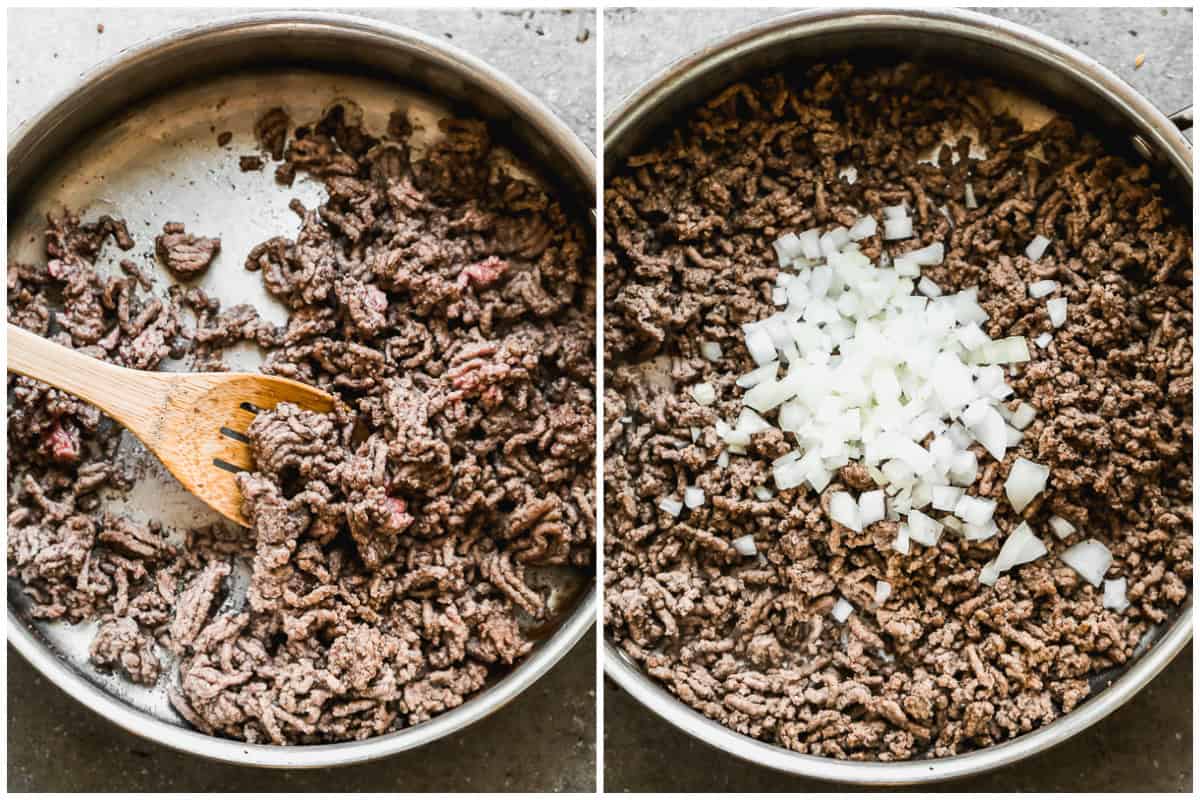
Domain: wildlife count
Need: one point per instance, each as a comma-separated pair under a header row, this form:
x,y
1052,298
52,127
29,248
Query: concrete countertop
x,y
1147,744
542,741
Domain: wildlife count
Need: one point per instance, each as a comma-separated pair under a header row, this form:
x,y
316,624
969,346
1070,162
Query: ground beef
x,y
945,664
448,306
185,255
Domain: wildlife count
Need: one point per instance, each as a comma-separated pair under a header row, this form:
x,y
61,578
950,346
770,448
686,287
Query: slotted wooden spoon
x,y
194,422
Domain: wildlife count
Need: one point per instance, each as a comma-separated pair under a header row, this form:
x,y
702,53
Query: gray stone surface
x,y
545,739
636,47
1146,745
550,53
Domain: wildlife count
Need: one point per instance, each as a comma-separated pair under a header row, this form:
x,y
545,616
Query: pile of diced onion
x,y
862,363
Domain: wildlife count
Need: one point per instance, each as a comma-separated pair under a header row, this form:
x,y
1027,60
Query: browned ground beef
x,y
449,307
946,664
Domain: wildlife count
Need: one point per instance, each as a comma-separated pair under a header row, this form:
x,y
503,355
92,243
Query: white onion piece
x,y
1043,340
849,173
844,510
704,394
810,244
871,507
763,493
756,376
928,288
1114,595
1089,558
1039,289
1026,480
897,228
1061,527
788,476
928,256
842,610
779,296
1056,307
883,590
758,342
992,433
969,197
980,533
953,523
1037,247
972,336
693,496
964,468
671,506
787,247
1021,547
923,529
695,432
723,459
1023,416
1012,350
945,498
863,228
745,546
711,350
895,212
989,574
974,510
900,544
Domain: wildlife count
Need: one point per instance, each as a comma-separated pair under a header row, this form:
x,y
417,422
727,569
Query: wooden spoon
x,y
194,422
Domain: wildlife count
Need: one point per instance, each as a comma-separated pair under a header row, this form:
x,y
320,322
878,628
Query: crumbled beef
x,y
945,665
187,256
391,540
120,643
271,132
250,163
224,138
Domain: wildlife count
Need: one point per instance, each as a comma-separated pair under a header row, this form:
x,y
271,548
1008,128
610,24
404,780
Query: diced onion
x,y
863,228
763,493
1037,247
711,350
671,506
1061,527
1039,289
842,610
758,342
1056,308
1089,558
693,497
787,248
1021,547
745,546
974,510
871,507
844,510
1043,340
900,544
923,529
810,244
928,288
1114,595
897,228
849,173
945,498
704,394
1026,480
756,376
895,212
1023,416
883,590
